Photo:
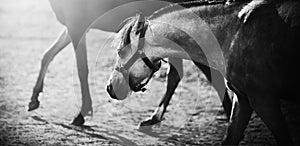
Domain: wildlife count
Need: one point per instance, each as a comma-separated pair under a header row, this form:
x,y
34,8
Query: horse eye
x,y
120,52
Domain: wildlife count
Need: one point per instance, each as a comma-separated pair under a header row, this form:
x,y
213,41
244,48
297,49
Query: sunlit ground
x,y
28,27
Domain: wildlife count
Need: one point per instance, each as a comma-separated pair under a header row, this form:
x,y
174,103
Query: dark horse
x,y
258,43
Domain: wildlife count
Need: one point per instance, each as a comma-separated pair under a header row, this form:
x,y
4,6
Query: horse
x,y
78,16
175,74
257,40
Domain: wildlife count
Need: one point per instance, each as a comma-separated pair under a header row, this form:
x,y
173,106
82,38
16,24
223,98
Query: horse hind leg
x,y
174,76
82,67
61,42
268,109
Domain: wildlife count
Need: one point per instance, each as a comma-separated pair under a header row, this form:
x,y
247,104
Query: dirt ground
x,y
27,28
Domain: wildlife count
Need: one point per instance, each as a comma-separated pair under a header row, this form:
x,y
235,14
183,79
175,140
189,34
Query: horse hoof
x,y
149,122
78,121
146,125
33,105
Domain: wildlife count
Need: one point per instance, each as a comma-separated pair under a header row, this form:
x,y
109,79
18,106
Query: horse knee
x,y
47,58
83,72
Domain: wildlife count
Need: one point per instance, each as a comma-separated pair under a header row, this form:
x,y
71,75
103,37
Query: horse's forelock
x,y
123,36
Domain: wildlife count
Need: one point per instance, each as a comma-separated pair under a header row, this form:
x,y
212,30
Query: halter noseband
x,y
138,54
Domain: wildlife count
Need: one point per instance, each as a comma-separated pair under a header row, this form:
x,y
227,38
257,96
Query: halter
x,y
138,54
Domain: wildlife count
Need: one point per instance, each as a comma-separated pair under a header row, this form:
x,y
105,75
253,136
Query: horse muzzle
x,y
111,92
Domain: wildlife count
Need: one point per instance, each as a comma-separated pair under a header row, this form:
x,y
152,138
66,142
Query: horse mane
x,y
123,36
125,27
184,5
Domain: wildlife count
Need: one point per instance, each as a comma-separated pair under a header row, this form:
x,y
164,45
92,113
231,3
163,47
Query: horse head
x,y
133,68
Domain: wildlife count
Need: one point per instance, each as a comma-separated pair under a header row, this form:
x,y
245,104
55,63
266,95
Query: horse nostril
x,y
110,91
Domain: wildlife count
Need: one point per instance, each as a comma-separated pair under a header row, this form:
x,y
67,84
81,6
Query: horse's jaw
x,y
117,87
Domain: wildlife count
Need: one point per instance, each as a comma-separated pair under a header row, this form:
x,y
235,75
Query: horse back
x,y
101,14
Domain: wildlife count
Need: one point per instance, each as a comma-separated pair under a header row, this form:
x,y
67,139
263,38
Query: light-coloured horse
x,y
78,16
174,75
258,43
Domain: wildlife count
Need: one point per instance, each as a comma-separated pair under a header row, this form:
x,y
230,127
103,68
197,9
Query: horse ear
x,y
124,22
140,19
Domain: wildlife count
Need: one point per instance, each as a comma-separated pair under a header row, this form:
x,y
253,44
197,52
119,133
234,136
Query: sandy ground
x,y
27,28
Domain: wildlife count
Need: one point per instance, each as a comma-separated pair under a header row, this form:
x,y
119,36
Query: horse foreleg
x,y
217,81
82,68
268,109
61,42
240,115
174,75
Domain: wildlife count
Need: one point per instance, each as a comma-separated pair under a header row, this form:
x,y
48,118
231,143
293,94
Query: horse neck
x,y
185,29
223,21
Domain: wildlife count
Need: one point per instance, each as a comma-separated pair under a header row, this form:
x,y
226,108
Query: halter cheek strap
x,y
138,54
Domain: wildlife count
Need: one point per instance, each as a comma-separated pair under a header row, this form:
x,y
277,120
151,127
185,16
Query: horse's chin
x,y
122,92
